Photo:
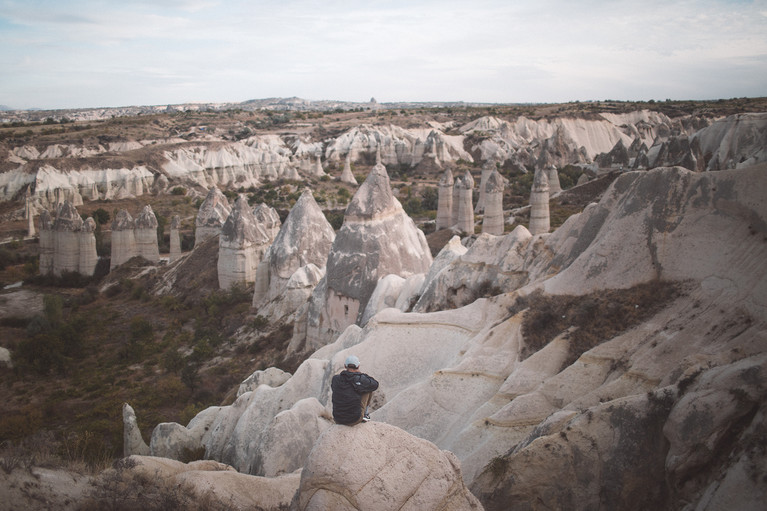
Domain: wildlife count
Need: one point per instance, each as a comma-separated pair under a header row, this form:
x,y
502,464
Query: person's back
x,y
352,390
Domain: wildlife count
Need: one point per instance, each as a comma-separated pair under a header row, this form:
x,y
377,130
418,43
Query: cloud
x,y
486,50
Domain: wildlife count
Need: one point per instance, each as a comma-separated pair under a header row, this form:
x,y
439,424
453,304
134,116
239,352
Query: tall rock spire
x,y
211,217
492,223
376,239
445,200
539,203
465,220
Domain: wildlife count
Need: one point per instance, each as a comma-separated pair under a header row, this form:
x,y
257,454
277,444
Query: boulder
x,y
376,466
5,358
213,212
271,376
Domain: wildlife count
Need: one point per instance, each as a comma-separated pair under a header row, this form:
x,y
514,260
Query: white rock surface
x,y
445,200
123,238
146,235
271,376
305,239
376,466
175,239
211,216
464,220
133,443
377,238
492,222
242,244
539,204
47,243
346,175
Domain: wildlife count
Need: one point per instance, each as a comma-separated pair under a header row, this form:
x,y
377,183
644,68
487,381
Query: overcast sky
x,y
91,53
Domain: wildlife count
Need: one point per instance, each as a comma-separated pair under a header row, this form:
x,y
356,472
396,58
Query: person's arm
x,y
364,383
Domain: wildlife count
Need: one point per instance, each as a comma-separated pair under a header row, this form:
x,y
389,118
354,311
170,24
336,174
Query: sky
x,y
100,53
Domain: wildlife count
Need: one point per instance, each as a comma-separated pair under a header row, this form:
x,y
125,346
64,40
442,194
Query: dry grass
x,y
595,318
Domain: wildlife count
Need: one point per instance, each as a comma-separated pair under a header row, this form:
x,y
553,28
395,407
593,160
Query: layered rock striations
x,y
242,244
268,218
377,239
295,261
213,212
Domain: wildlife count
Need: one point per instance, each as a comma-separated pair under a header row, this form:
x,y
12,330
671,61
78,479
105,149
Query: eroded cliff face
x,y
131,168
621,362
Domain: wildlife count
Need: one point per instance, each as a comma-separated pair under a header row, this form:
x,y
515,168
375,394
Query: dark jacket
x,y
348,388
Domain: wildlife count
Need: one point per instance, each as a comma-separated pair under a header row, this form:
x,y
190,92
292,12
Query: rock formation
x,y
146,235
133,443
493,222
29,214
88,256
376,239
582,179
123,238
553,177
47,243
242,244
268,218
346,175
175,239
379,466
539,203
283,275
487,168
445,201
66,242
211,216
465,220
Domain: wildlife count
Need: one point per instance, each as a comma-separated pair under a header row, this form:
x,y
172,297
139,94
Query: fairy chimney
x,y
539,203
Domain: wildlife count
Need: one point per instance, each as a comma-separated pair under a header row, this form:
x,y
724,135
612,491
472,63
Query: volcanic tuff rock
x,y
146,235
397,145
539,203
445,200
123,238
464,220
376,239
346,174
621,413
376,466
213,212
268,218
67,244
493,223
242,244
304,239
175,239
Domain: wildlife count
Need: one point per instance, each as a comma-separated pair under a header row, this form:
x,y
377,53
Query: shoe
x,y
365,418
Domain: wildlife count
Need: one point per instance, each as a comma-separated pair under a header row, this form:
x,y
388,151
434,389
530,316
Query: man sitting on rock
x,y
352,390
